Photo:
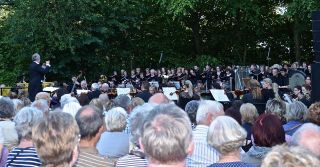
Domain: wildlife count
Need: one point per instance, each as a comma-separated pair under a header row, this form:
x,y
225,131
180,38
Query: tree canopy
x,y
98,36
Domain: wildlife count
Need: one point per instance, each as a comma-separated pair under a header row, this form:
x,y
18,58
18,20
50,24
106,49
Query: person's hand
x,y
48,63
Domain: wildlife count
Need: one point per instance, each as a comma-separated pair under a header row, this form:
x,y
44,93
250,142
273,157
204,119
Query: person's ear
x,y
190,148
141,145
75,154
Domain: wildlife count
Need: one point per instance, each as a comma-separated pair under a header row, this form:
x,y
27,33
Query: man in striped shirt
x,y
203,154
91,127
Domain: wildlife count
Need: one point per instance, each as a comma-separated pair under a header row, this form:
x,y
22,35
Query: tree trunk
x,y
296,39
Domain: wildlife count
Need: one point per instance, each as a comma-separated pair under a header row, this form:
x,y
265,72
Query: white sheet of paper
x,y
154,83
50,89
123,91
79,91
218,95
170,92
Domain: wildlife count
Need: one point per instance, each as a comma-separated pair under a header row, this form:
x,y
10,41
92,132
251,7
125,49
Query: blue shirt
x,y
232,164
113,144
23,157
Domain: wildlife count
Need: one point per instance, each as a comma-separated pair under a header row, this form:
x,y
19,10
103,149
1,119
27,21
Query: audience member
x,y
191,109
249,114
276,107
227,136
97,103
294,117
167,136
308,137
41,105
8,126
159,98
136,101
144,94
25,154
136,157
114,142
313,114
123,101
285,156
91,127
56,139
71,108
204,155
267,132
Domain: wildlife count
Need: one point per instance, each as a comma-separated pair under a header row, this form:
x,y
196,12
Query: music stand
x,y
170,92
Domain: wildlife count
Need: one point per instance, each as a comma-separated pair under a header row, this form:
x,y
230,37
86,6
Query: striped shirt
x,y
134,159
89,157
203,154
23,157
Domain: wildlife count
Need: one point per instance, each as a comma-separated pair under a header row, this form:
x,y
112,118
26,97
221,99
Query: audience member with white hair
x,y
166,137
67,98
7,125
41,105
17,105
136,157
227,136
308,137
114,142
71,108
277,107
159,98
285,156
25,154
95,92
295,117
204,155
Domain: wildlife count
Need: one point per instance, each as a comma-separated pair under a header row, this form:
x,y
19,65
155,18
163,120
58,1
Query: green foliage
x,y
98,36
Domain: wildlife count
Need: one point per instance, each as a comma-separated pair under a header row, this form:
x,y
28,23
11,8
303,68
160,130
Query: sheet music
x,y
219,95
170,92
123,91
80,91
50,89
154,83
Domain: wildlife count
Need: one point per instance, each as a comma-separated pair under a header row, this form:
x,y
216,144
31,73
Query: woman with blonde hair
x,y
187,94
254,95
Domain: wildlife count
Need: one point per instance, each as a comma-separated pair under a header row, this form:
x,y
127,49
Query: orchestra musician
x,y
187,94
36,73
207,77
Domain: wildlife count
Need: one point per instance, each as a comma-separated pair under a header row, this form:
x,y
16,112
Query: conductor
x,y
36,74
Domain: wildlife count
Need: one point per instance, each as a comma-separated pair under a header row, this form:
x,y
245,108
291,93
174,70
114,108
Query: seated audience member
x,y
277,107
91,127
71,108
136,101
204,155
44,96
227,136
56,139
249,114
67,98
136,157
104,88
97,103
104,99
83,99
267,131
41,105
313,114
17,105
123,101
294,117
144,94
191,109
159,98
285,156
234,113
95,92
25,154
166,136
8,126
308,137
114,142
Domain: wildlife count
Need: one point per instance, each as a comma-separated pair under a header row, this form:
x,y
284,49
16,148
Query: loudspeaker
x,y
315,94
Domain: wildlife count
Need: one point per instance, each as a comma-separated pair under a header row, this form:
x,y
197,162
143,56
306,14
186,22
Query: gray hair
x,y
296,111
308,136
276,107
208,106
116,119
122,101
6,108
94,86
71,108
41,104
17,105
25,119
89,121
35,57
166,134
136,120
67,98
191,109
226,135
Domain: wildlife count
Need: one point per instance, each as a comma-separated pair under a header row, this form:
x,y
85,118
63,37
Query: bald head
x,y
159,98
308,136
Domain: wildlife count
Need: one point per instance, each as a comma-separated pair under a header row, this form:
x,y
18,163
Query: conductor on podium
x,y
36,74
